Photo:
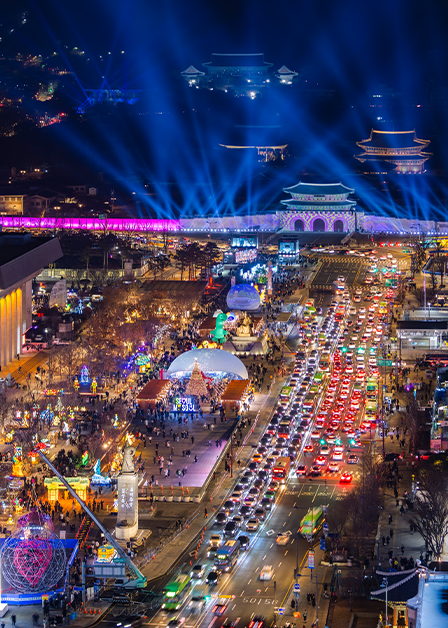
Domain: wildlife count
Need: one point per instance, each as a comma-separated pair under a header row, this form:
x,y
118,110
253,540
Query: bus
x,y
227,555
281,469
371,411
312,522
372,389
318,377
175,592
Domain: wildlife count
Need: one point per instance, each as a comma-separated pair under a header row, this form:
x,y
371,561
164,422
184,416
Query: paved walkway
x,y
27,364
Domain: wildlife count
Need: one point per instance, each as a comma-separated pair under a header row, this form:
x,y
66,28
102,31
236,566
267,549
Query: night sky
x,y
356,44
350,47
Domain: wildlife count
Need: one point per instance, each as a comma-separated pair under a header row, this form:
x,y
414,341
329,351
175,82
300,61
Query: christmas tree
x,y
196,385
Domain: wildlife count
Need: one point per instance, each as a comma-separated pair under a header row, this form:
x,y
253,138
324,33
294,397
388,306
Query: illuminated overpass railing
x,y
89,224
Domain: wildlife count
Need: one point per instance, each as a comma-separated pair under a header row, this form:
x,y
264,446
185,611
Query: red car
x,y
302,469
346,478
320,460
309,449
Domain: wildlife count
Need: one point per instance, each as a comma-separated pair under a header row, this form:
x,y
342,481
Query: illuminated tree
x,y
196,386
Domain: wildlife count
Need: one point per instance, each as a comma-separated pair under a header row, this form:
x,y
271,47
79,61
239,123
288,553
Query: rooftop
x,y
153,389
392,139
192,71
235,389
401,585
22,256
284,70
318,202
318,189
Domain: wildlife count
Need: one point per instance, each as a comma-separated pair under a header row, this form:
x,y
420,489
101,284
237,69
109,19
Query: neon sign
x,y
184,404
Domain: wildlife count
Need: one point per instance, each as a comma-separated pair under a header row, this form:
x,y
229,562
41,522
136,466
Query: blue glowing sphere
x,y
243,297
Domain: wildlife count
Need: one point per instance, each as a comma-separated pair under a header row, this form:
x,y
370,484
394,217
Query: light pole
x,y
385,584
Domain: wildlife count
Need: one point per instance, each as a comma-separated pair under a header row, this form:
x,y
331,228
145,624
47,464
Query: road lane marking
x,y
271,545
250,581
286,552
265,555
290,514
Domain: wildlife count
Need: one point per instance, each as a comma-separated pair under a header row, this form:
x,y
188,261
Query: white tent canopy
x,y
211,361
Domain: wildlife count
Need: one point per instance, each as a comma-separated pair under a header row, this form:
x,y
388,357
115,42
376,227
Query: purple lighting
x,y
90,224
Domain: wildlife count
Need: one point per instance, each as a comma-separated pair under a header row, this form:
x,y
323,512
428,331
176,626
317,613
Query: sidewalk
x,y
24,368
311,581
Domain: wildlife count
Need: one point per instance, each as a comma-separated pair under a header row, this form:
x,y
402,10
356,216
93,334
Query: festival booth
x,y
155,391
236,396
207,326
54,484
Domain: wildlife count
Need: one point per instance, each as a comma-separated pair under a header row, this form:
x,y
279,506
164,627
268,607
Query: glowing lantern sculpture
x,y
33,559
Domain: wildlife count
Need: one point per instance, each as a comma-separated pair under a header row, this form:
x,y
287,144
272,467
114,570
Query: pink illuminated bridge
x,y
90,224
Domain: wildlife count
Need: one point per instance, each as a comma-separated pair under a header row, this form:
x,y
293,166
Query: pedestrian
x,y
13,619
205,513
305,614
402,550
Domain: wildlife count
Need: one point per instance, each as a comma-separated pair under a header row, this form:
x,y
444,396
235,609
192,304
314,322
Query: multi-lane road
x,y
247,596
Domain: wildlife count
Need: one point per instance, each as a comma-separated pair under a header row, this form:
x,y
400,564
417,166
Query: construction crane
x,y
139,580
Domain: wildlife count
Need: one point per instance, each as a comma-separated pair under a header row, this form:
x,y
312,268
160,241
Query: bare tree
x,y
413,420
431,509
357,515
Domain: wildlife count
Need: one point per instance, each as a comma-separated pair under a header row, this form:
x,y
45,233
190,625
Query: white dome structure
x,y
243,297
212,362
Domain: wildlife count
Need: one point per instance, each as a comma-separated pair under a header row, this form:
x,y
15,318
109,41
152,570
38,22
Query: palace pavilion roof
x,y
192,71
393,139
322,204
285,71
318,189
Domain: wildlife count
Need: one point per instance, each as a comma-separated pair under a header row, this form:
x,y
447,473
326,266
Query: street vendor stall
x,y
155,391
235,397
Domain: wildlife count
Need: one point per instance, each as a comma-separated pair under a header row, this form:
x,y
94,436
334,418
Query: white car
x,y
252,525
267,572
353,311
283,538
215,540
